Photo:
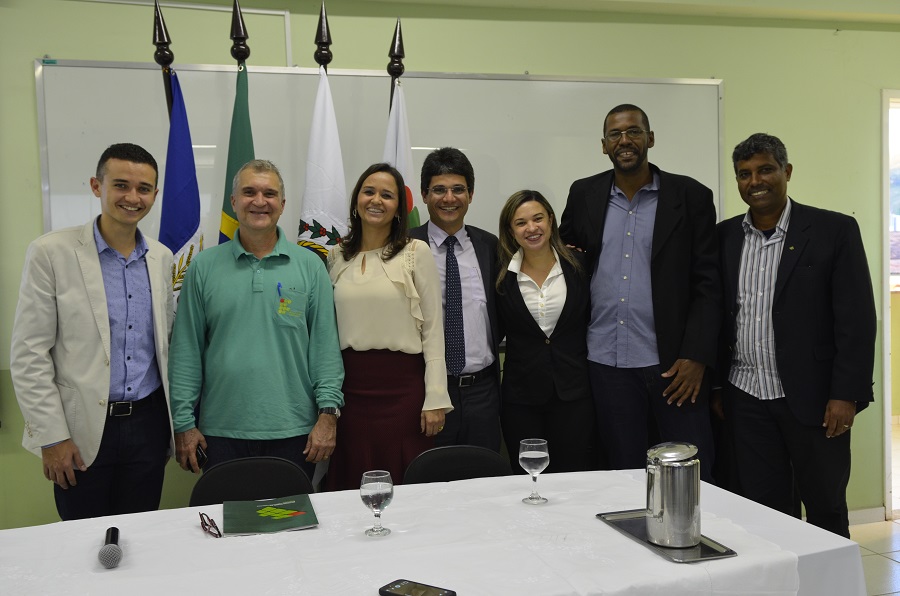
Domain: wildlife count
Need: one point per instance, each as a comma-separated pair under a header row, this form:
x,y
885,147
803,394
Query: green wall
x,y
816,86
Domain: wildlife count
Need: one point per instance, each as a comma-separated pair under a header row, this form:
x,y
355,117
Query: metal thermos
x,y
673,495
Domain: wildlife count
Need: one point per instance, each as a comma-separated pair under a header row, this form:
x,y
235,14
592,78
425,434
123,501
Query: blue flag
x,y
179,227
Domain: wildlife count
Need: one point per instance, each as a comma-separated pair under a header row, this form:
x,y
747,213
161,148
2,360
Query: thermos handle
x,y
654,498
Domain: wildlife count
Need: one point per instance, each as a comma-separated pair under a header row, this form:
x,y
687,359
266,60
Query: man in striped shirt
x,y
798,340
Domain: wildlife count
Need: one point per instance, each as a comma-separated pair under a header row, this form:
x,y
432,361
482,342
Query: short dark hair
x,y
760,143
447,160
627,107
351,244
126,152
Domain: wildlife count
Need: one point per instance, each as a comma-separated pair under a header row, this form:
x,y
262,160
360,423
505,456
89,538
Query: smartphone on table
x,y
404,587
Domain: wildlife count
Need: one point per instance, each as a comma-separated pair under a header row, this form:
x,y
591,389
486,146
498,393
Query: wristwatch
x,y
336,412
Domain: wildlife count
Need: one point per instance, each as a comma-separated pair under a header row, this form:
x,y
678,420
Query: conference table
x,y
473,536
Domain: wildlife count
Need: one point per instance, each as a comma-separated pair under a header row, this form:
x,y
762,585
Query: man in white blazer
x,y
90,348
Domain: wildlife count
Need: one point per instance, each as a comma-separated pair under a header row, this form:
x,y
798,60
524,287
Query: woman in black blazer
x,y
542,299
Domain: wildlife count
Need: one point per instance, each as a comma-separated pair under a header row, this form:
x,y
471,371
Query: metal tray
x,y
632,523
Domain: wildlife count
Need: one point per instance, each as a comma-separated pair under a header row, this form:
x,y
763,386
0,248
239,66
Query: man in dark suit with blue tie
x,y
798,346
466,257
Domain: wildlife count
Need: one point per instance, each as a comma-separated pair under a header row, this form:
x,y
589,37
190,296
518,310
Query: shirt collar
x,y
515,263
237,249
781,226
652,186
140,245
437,235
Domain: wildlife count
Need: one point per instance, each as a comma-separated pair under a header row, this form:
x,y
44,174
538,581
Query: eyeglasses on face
x,y
458,190
209,526
632,133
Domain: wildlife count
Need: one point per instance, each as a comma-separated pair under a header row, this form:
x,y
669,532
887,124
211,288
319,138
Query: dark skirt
x,y
380,425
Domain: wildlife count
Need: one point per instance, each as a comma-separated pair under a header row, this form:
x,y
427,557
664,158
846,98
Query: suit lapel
x,y
668,214
89,263
795,242
572,291
596,204
732,245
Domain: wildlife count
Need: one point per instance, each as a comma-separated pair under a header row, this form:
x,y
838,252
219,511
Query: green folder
x,y
242,518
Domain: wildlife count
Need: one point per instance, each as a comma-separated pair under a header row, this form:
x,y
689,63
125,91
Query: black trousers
x,y
475,418
776,455
566,425
627,399
127,475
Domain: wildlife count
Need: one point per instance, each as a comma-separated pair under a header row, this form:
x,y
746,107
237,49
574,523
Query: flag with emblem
x,y
398,151
240,150
323,219
179,226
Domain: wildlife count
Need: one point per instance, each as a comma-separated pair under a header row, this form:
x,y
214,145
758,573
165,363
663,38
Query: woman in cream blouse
x,y
542,298
390,324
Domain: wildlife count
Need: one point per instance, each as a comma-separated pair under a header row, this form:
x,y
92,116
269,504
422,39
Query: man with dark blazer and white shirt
x,y
798,346
90,347
649,242
447,185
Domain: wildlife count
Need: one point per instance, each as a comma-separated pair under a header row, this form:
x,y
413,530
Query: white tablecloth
x,y
475,537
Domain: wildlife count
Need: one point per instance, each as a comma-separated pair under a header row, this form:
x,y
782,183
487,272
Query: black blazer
x,y
536,366
684,273
823,310
485,245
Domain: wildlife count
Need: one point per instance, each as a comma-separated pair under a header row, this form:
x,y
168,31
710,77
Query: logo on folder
x,y
278,512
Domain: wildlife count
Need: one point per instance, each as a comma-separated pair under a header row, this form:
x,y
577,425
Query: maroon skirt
x,y
380,425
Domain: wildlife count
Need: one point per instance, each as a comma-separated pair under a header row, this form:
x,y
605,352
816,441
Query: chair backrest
x,y
250,479
455,462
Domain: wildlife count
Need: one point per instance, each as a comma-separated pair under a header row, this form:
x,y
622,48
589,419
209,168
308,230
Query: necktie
x,y
454,337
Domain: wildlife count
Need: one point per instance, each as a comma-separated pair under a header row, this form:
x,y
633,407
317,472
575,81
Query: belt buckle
x,y
113,405
466,380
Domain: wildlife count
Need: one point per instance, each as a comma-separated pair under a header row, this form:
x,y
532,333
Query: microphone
x,y
111,553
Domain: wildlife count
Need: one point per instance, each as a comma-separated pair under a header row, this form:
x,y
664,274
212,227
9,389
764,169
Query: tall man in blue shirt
x,y
798,346
256,341
90,346
649,240
448,185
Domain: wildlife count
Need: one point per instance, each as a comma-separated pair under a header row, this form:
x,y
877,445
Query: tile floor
x,y
880,542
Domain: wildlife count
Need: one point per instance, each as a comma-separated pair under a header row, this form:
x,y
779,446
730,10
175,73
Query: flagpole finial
x,y
395,67
323,54
163,55
239,49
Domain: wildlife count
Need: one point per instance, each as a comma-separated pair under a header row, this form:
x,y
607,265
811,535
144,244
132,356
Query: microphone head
x,y
110,555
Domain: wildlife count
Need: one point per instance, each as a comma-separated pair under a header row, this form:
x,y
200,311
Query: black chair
x,y
455,462
250,479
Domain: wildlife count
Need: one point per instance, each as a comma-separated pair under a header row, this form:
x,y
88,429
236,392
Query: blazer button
x,y
547,341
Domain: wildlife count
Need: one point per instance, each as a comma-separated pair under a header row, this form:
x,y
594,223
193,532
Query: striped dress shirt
x,y
753,368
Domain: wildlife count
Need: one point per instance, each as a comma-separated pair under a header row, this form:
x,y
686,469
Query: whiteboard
x,y
518,131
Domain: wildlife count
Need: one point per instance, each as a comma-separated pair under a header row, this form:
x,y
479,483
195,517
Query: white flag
x,y
323,219
398,151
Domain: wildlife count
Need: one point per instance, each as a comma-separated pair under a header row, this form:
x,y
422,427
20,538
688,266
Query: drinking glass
x,y
534,457
376,491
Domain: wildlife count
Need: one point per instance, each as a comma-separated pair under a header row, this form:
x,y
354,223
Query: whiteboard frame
x,y
41,64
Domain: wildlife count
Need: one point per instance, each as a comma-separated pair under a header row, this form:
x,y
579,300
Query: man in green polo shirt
x,y
255,341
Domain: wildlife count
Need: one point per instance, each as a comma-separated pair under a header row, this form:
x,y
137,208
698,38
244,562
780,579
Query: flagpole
x,y
163,55
240,139
239,49
395,67
323,55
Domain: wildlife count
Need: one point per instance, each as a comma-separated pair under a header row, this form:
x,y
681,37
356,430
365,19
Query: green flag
x,y
240,151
